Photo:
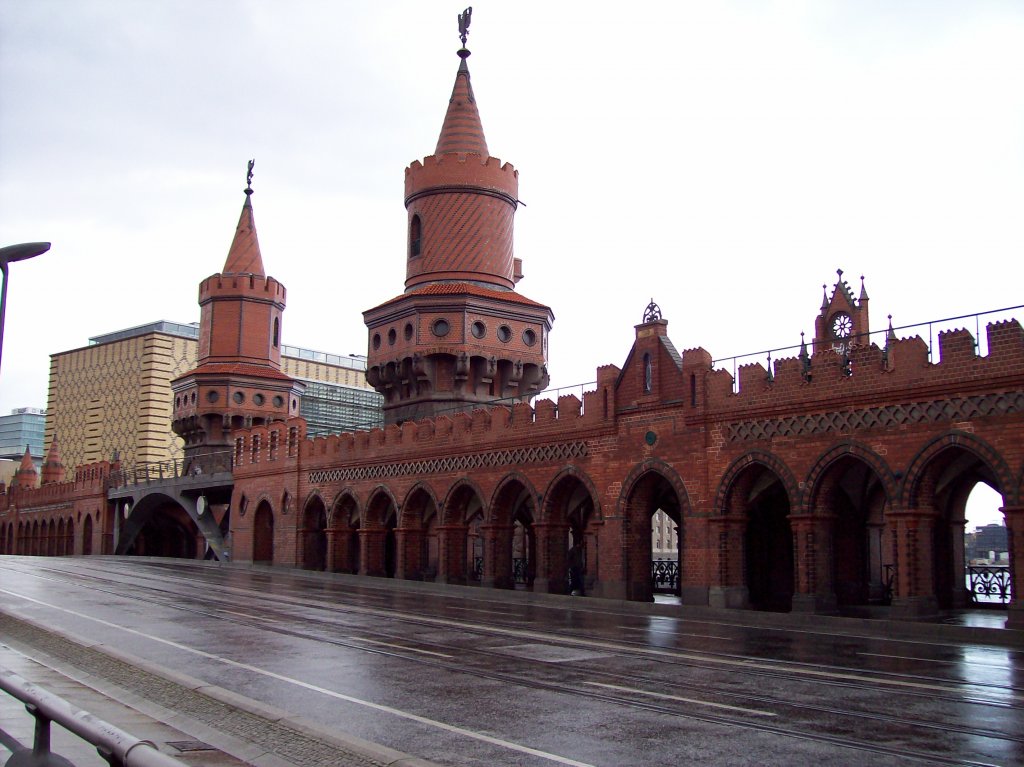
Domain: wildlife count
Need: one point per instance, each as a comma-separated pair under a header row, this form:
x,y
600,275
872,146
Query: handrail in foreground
x,y
116,746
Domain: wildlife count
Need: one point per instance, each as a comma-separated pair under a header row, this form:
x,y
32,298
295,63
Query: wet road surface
x,y
467,677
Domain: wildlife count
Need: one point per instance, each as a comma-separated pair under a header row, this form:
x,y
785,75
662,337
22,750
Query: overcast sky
x,y
721,158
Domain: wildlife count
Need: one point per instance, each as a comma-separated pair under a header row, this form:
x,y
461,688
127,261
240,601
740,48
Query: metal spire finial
x,y
464,19
248,177
652,312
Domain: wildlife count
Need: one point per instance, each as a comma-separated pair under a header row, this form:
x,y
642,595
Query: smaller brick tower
x,y
237,382
460,335
25,476
53,469
842,321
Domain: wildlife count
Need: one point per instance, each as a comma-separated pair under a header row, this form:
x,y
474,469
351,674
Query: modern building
x,y
114,395
24,427
988,543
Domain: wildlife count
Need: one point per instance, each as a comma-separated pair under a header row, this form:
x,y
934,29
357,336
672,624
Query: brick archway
x,y
842,537
651,486
416,535
930,554
461,516
509,536
377,534
343,524
755,563
313,533
570,516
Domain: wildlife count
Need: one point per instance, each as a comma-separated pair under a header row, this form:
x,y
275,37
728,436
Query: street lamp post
x,y
9,255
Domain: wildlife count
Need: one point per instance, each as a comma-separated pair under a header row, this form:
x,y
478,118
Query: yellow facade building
x,y
114,395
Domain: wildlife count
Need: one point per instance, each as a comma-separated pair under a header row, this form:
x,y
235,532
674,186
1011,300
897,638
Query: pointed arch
x,y
850,449
771,462
464,498
1001,476
551,494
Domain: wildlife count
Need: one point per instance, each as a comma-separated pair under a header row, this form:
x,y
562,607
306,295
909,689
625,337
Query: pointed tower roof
x,y
26,474
53,469
244,256
462,130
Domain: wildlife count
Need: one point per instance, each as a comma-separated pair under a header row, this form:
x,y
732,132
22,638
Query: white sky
x,y
723,158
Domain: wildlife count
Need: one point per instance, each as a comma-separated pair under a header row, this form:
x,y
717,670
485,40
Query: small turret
x,y
25,476
53,469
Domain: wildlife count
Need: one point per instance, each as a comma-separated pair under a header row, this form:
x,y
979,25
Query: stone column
x,y
814,590
1015,544
371,551
329,558
728,588
451,554
497,556
408,551
913,541
552,569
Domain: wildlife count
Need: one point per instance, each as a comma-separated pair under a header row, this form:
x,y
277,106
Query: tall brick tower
x,y
237,381
460,335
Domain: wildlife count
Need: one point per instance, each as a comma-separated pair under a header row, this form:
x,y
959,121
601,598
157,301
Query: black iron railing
x,y
665,575
989,584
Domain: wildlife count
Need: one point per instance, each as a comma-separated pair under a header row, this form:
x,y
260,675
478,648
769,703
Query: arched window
x,y
277,330
415,235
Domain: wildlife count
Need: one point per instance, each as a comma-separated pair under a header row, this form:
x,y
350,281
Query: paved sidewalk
x,y
196,723
16,724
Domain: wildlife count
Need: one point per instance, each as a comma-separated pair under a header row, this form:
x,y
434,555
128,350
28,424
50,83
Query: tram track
x,y
167,592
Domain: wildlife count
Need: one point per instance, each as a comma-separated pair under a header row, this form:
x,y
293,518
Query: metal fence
x,y
158,471
114,745
989,585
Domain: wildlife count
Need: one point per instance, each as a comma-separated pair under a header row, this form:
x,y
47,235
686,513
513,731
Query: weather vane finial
x,y
464,18
248,177
652,313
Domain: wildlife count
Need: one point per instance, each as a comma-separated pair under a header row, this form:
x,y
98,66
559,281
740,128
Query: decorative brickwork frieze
x,y
452,464
886,417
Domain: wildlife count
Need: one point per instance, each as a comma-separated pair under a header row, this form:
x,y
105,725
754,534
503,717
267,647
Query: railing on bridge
x,y
114,745
158,471
928,331
665,576
989,585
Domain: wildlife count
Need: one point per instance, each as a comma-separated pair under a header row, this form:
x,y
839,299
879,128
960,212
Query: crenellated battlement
x,y
870,372
461,170
544,421
250,285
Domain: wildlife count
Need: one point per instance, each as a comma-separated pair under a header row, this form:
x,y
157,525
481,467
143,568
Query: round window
x,y
504,334
258,399
408,331
177,402
441,328
529,337
392,335
238,397
478,329
212,396
376,340
278,401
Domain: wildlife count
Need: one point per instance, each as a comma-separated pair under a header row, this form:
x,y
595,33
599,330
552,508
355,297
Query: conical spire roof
x,y
244,256
462,130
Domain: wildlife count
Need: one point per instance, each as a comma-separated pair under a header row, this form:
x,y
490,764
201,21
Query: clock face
x,y
842,325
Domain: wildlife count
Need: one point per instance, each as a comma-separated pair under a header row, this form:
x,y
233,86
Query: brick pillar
x,y
552,569
329,563
409,553
451,554
1015,544
497,556
371,551
814,590
913,542
728,587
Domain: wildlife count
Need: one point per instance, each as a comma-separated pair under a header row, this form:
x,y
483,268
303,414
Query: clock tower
x,y
842,322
